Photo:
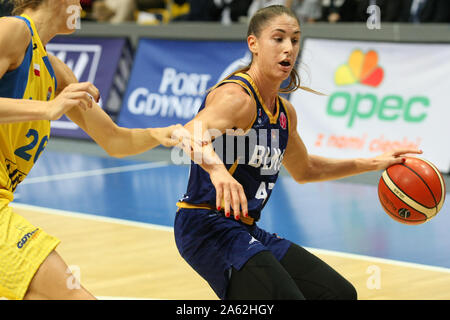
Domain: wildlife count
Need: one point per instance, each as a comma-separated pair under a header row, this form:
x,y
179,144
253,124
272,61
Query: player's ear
x,y
252,42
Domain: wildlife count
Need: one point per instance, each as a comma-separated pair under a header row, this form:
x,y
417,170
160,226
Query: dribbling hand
x,y
390,158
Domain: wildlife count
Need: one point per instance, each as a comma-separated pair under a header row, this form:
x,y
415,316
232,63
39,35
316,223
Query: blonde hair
x,y
256,25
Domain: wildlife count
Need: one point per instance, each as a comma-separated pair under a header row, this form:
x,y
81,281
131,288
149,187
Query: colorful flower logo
x,y
361,68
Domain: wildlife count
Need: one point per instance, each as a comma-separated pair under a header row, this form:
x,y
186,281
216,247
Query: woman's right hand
x,y
229,193
74,95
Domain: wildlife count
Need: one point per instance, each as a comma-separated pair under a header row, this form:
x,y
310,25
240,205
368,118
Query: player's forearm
x,y
117,141
324,169
20,110
125,142
208,159
198,145
201,151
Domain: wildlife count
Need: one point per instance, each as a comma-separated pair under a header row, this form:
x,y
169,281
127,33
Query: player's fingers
x,y
169,142
398,160
72,103
400,152
86,87
227,200
83,104
235,203
69,103
243,200
179,132
184,144
219,197
197,147
92,90
85,100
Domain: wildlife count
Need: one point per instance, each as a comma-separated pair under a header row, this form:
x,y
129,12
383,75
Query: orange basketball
x,y
412,192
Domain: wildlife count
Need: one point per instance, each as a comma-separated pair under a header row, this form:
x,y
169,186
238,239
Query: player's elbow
x,y
114,150
110,142
301,179
111,150
115,154
304,175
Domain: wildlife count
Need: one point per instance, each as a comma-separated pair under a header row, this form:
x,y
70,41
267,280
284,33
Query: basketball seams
x,y
401,218
426,184
409,205
406,199
389,189
443,187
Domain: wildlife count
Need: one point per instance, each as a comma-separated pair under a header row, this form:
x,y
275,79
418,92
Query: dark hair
x,y
6,7
21,5
257,24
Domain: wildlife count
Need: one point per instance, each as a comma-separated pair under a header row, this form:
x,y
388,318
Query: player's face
x,y
277,47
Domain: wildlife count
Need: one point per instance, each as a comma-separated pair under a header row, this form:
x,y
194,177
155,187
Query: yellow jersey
x,y
22,143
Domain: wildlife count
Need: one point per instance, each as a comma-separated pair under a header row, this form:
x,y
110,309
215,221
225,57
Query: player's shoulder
x,y
15,30
15,36
231,104
233,94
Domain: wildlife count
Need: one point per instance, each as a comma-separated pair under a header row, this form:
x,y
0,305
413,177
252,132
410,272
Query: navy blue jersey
x,y
253,158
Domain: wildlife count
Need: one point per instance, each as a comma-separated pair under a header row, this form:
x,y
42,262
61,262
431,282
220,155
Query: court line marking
x,y
92,217
379,260
170,229
96,172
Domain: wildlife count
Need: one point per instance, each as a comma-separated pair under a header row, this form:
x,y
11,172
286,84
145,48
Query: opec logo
x,y
363,72
361,68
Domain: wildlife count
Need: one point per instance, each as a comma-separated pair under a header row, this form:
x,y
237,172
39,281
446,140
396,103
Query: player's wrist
x,y
36,110
215,169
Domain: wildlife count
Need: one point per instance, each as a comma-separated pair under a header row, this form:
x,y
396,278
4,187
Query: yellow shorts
x,y
23,248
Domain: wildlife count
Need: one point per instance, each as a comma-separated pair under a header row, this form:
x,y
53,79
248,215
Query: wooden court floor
x,y
118,259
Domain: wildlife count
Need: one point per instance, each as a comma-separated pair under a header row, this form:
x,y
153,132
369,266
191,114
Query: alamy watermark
x,y
374,280
374,20
74,20
259,148
73,281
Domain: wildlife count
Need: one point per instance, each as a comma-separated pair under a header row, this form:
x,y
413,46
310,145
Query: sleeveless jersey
x,y
22,143
254,157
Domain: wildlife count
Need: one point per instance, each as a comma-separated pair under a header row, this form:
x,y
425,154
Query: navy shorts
x,y
212,244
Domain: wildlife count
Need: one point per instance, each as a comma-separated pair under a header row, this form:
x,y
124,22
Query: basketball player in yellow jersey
x,y
34,89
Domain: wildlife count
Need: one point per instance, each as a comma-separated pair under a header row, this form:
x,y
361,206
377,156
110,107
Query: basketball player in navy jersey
x,y
215,226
